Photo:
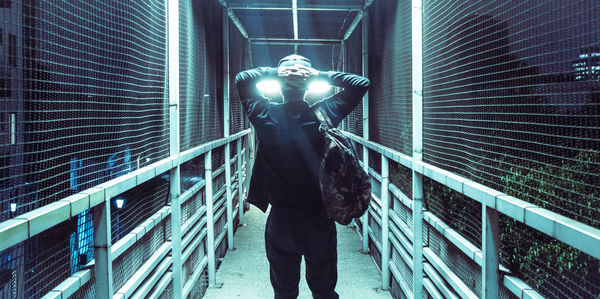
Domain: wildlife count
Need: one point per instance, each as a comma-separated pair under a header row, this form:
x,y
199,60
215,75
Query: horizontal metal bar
x,y
138,232
291,42
432,289
192,220
161,285
438,281
403,285
314,7
194,244
141,274
194,232
457,284
193,279
150,281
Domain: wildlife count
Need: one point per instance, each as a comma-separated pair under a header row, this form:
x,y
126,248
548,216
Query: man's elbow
x,y
241,76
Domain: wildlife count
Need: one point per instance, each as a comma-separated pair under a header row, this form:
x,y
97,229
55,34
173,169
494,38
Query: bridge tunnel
x,y
125,155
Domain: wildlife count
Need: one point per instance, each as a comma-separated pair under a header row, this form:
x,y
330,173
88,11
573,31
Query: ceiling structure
x,y
313,28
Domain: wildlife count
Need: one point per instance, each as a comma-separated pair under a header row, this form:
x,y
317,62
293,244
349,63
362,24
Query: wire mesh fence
x,y
32,268
238,53
390,94
82,97
553,268
201,74
511,99
353,64
131,208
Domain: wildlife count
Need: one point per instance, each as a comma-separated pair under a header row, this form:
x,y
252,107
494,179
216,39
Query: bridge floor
x,y
244,272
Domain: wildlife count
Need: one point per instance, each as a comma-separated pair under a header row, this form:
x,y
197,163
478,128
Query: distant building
x,y
587,66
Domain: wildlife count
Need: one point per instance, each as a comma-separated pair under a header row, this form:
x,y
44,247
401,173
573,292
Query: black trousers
x,y
287,239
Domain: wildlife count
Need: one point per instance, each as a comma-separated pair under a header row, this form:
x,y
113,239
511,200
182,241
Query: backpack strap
x,y
323,119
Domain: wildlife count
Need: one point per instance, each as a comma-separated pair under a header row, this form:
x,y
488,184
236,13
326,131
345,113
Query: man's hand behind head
x,y
296,76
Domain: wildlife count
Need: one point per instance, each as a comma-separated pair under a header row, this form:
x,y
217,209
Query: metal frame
x,y
226,123
175,173
313,7
417,154
365,121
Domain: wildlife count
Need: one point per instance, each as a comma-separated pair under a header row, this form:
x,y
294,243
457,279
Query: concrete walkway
x,y
244,272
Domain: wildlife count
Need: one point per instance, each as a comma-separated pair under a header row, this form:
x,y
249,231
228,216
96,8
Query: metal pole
x,y
174,177
226,120
102,251
210,221
365,72
417,98
240,178
491,258
385,229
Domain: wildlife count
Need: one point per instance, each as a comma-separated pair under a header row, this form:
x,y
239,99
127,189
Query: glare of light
x,y
269,87
13,207
119,202
319,87
147,159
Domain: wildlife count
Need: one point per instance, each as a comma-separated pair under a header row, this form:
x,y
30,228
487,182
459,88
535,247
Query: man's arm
x,y
252,100
339,105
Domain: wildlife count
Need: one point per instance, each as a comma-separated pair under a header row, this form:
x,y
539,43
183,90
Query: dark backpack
x,y
345,186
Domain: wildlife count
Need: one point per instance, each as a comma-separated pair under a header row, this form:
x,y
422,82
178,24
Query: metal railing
x,y
429,271
154,274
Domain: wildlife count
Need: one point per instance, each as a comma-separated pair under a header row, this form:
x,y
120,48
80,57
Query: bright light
x,y
13,207
269,88
119,202
319,87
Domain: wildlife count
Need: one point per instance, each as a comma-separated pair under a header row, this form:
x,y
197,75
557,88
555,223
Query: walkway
x,y
245,271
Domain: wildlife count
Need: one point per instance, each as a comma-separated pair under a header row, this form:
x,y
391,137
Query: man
x,y
286,171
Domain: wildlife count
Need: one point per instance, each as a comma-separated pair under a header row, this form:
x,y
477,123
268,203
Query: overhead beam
x,y
293,42
295,17
306,7
357,19
234,19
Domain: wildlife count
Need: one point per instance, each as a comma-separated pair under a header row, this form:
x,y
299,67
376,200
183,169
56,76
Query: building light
x,y
119,202
13,207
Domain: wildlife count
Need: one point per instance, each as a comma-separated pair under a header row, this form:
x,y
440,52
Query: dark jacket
x,y
285,172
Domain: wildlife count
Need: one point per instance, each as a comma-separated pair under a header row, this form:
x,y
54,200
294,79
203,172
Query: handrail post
x,y
417,106
102,250
239,179
490,230
385,236
229,199
210,222
174,147
365,116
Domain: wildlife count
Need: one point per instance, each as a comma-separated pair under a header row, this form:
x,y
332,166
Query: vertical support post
x,y
210,221
365,72
102,250
240,179
343,69
417,104
229,197
174,177
385,229
491,258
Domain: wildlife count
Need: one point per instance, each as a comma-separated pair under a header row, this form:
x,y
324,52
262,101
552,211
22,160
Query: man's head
x,y
293,72
294,59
